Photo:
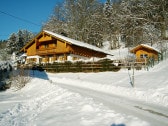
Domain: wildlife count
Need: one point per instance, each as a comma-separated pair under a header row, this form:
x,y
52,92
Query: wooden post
x,y
133,74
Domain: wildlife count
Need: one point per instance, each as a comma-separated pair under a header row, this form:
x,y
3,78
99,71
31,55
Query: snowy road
x,y
154,115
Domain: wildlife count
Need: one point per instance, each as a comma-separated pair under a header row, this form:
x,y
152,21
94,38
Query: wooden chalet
x,y
48,47
145,52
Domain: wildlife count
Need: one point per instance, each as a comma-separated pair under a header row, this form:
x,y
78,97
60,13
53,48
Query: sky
x,y
28,15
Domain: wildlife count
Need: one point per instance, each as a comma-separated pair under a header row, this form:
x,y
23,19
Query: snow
x,y
4,65
36,56
114,83
153,48
145,45
120,54
89,99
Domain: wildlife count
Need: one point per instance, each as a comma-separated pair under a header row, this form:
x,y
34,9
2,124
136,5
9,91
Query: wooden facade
x,y
143,52
51,47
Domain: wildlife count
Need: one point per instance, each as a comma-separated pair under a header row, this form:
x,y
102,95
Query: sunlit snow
x,y
89,99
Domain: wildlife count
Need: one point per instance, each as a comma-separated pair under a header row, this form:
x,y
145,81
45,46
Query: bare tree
x,y
80,19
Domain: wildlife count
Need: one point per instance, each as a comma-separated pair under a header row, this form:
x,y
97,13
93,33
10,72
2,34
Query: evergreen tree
x,y
26,36
20,40
11,43
17,40
3,53
108,8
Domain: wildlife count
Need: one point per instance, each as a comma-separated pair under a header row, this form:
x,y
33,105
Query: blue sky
x,y
36,11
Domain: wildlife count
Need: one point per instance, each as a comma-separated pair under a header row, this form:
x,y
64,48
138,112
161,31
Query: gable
x,y
142,49
31,51
44,38
145,48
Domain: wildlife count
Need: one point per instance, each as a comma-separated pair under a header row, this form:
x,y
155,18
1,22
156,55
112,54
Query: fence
x,y
138,63
100,66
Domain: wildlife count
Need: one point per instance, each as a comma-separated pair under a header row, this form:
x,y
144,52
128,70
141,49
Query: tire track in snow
x,y
152,111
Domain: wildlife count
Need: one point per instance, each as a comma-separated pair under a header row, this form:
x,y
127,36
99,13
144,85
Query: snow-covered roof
x,y
153,48
75,42
147,46
36,56
23,55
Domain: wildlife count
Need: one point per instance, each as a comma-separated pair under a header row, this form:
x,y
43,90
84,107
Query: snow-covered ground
x,y
89,99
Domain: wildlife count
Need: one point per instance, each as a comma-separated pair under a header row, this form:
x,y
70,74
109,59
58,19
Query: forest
x,y
130,21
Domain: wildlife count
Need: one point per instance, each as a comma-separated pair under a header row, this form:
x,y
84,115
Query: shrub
x,y
20,79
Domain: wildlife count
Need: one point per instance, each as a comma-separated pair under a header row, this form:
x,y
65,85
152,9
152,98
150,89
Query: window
x,y
46,45
75,58
144,56
55,44
141,56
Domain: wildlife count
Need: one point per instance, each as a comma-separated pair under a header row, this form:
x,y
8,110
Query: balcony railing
x,y
45,51
48,51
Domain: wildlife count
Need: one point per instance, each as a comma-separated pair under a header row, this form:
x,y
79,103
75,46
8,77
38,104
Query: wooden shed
x,y
50,47
143,52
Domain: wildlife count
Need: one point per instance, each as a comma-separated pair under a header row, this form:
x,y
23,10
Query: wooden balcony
x,y
51,51
46,51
